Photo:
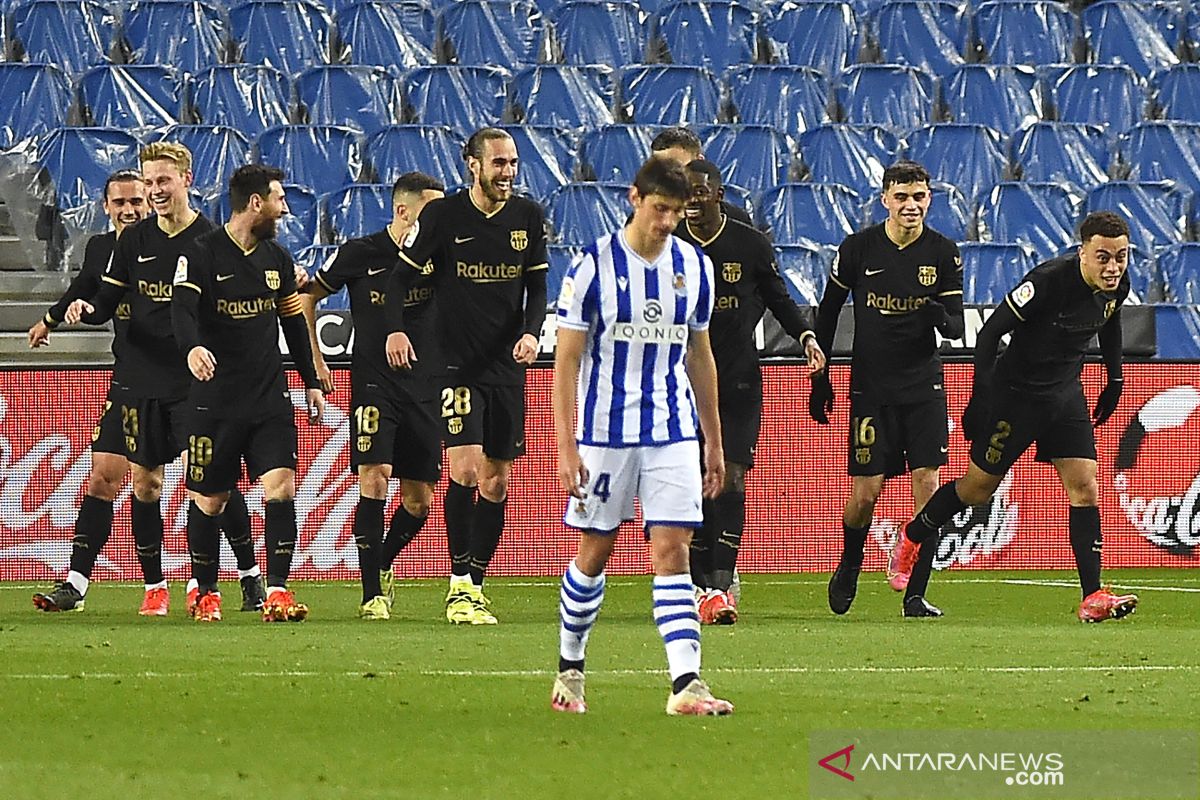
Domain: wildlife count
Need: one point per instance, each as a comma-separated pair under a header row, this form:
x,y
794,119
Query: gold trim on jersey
x,y
324,285
833,278
190,285
486,215
1008,300
715,236
114,281
159,222
536,267
290,306
949,292
411,263
237,243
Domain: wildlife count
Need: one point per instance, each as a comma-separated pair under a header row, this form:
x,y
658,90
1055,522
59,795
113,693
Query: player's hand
x,y
820,398
1106,403
202,363
935,314
526,349
316,405
815,356
302,278
76,310
572,472
400,352
324,375
39,334
714,471
975,417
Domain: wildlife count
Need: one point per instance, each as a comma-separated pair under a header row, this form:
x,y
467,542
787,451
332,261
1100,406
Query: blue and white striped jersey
x,y
633,385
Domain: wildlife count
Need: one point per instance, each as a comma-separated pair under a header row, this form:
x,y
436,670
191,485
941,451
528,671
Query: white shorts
x,y
665,479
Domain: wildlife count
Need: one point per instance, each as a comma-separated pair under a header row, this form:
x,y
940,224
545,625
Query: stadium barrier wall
x,y
1149,484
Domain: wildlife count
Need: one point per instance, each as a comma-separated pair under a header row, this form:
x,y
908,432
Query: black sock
x,y
204,540
235,521
937,512
460,511
404,529
731,521
1086,540
147,524
564,664
680,683
918,581
93,526
700,550
854,540
368,532
280,534
485,536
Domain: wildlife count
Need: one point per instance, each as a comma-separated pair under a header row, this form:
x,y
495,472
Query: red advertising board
x,y
1149,487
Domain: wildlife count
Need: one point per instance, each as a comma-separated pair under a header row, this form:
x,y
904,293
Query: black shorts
x,y
1059,424
886,439
155,431
493,416
217,447
108,436
390,429
740,406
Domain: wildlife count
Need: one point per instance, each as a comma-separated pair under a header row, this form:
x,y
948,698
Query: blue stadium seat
x,y
243,96
1063,152
311,259
1160,151
614,152
547,158
600,32
34,99
1158,212
386,33
790,99
1041,215
666,94
1170,18
932,34
1003,97
462,98
298,230
852,155
431,149
969,156
709,33
822,35
363,98
1119,32
136,97
1177,92
892,95
357,210
76,163
810,213
805,270
1179,268
71,35
1104,94
949,212
580,213
481,32
562,96
1027,32
318,157
753,156
740,197
217,151
198,40
290,35
559,257
992,269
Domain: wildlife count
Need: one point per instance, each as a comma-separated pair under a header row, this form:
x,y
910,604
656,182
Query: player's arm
x,y
1111,347
837,289
295,333
399,349
987,342
946,312
701,368
526,348
313,292
578,304
797,321
84,285
185,314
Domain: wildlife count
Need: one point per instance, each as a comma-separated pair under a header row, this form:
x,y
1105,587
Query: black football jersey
x,y
365,266
479,267
1060,314
96,256
895,353
242,297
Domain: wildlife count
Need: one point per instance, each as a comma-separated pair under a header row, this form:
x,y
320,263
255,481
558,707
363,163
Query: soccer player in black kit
x,y
906,279
747,283
235,287
683,146
394,416
152,411
488,250
1033,394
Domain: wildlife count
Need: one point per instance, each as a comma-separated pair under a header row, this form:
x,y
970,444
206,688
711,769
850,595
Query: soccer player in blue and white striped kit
x,y
633,342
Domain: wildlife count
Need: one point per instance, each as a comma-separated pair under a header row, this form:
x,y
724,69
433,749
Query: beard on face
x,y
489,189
265,228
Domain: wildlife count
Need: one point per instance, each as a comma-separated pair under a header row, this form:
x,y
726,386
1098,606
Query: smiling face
x,y
704,205
1103,261
270,210
907,204
125,203
166,187
495,169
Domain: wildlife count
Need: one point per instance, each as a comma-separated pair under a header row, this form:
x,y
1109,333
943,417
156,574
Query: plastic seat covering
x,y
1177,92
1157,151
931,34
562,96
358,210
1097,93
1179,268
1062,152
810,213
135,97
462,98
892,95
481,32
77,162
398,149
1042,215
580,213
599,33
385,33
969,156
1025,31
363,98
805,270
662,94
710,33
290,35
852,155
33,101
546,158
216,152
197,40
822,35
790,99
1003,97
241,96
1158,212
992,269
614,152
320,158
754,156
70,35
1120,32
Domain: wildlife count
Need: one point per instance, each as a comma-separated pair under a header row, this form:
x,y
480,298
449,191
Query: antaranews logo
x,y
842,755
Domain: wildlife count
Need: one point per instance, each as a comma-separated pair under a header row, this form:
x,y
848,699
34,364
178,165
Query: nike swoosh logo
x,y
377,271
144,259
463,240
224,277
871,272
520,443
945,449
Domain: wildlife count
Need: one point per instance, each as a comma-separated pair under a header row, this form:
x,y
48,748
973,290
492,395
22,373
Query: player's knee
x,y
279,485
494,487
973,490
417,500
465,474
147,486
1085,492
211,505
103,486
372,482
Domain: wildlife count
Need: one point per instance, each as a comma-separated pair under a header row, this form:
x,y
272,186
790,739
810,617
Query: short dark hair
x,y
677,136
474,146
415,183
662,176
702,166
905,171
250,180
1108,224
121,176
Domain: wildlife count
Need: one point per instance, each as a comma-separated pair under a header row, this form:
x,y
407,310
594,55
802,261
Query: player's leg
x,y
147,524
213,467
503,442
718,607
462,433
924,483
235,524
869,448
927,444
270,455
368,537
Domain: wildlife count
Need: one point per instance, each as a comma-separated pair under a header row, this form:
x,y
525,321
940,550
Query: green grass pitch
x,y
104,704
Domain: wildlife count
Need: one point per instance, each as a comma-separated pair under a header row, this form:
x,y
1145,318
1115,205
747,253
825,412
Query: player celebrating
x,y
682,146
234,288
1033,394
633,340
907,281
395,427
747,281
488,250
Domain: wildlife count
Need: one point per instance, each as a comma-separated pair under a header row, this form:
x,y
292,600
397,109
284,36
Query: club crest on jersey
x,y
731,271
927,275
1109,308
519,240
680,283
272,279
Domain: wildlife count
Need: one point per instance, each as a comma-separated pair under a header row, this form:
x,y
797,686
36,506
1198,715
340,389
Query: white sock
x,y
461,582
192,584
253,572
579,597
678,623
77,580
160,585
273,589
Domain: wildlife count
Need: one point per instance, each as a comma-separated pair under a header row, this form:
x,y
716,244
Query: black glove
x,y
1106,403
820,398
935,314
